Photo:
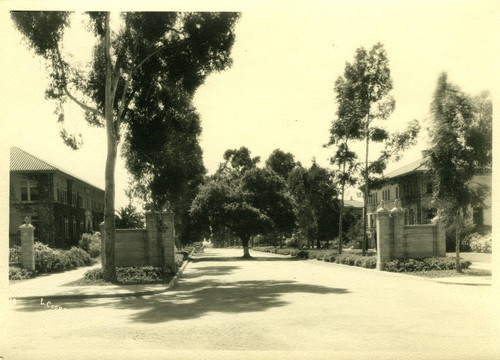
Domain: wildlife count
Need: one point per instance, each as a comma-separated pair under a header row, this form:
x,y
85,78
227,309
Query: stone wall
x,y
396,240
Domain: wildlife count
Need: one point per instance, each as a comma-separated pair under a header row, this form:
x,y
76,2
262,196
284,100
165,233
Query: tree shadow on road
x,y
197,298
210,271
241,258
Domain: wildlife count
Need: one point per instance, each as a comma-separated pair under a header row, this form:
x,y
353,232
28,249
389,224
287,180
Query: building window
x,y
73,199
386,194
82,226
80,200
397,192
29,190
74,226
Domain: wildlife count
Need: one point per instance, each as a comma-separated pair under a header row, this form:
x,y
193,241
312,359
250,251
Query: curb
x,y
167,287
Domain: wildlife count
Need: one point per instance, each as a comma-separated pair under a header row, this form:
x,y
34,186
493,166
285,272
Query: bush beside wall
x,y
91,243
480,243
428,264
48,260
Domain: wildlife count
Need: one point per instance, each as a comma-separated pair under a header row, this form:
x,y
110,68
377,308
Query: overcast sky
x,y
279,91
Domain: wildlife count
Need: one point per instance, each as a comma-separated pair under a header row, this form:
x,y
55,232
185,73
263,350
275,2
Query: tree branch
x,y
66,90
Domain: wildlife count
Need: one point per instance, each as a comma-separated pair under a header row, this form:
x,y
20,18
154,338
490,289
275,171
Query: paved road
x,y
274,306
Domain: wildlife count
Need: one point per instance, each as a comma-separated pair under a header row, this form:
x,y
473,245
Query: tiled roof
x,y
20,160
416,166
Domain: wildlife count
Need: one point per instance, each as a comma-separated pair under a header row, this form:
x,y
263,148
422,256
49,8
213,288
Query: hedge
x,y
133,275
369,262
427,264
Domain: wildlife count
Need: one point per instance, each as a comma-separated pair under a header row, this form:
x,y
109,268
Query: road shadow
x,y
193,299
209,271
241,258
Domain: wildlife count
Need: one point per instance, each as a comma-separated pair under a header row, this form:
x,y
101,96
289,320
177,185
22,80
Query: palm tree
x,y
128,218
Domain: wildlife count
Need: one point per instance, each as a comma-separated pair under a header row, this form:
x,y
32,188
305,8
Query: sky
x,y
279,91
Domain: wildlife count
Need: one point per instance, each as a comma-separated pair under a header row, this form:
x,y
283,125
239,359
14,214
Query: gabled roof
x,y
22,161
415,166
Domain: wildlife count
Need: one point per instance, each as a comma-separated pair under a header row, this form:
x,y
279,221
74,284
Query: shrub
x,y
179,259
15,254
94,274
49,260
427,264
185,254
16,273
303,254
130,275
91,243
480,244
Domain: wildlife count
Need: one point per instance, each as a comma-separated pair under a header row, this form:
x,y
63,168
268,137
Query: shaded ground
x,y
272,304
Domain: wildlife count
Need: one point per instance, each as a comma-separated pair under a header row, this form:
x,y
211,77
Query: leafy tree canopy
x,y
281,163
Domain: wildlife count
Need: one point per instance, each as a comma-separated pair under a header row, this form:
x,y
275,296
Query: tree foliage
x,y
461,138
246,201
363,97
129,218
315,204
238,160
281,163
128,73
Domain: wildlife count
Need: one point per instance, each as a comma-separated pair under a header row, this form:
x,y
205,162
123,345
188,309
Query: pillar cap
x,y
382,209
397,207
27,224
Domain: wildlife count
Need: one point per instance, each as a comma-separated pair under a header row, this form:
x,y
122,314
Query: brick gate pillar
x,y
160,227
103,244
27,245
398,222
383,236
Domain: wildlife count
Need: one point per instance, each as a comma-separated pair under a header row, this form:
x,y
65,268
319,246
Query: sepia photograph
x,y
249,180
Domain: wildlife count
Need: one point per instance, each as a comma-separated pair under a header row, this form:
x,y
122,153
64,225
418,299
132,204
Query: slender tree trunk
x,y
246,252
341,216
109,200
365,213
457,244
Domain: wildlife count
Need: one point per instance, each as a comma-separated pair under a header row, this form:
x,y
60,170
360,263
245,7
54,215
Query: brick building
x,y
61,206
411,184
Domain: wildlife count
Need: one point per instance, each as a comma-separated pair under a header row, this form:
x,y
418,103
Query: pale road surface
x,y
272,307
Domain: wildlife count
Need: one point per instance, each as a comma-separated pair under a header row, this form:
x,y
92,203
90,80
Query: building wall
x,y
486,180
40,211
65,208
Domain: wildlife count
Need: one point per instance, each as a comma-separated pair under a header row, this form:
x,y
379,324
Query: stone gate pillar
x,y
27,245
383,236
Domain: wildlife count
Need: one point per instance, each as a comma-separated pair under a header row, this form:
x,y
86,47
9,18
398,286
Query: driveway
x,y
272,306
